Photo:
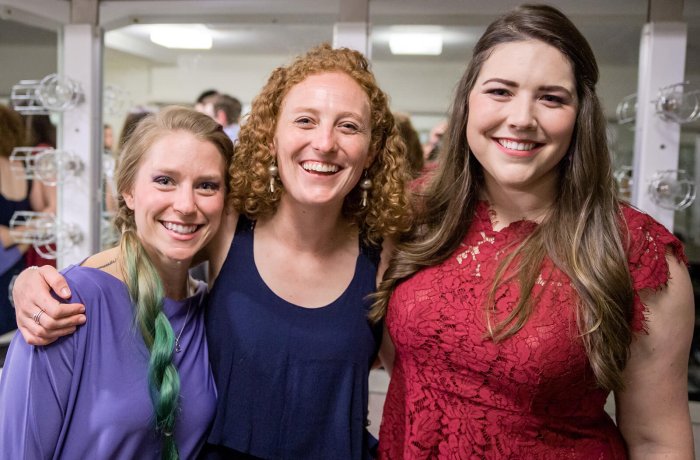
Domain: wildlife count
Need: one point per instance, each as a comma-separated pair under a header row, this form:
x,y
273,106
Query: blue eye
x,y
303,121
163,180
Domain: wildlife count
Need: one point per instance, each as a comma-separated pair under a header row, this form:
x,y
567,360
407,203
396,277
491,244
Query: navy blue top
x,y
12,261
292,381
8,207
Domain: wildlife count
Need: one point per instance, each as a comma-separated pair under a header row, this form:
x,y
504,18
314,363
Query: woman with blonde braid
x,y
134,381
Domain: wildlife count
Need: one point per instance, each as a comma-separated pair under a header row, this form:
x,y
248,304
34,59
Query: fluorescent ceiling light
x,y
426,43
193,37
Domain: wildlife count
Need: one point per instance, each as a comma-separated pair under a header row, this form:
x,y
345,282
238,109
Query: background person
x,y
16,194
205,102
107,138
42,133
227,111
414,149
431,149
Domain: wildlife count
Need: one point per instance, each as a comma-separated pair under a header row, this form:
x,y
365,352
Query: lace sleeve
x,y
648,244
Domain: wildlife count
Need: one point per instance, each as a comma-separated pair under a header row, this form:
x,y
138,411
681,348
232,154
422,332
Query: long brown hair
x,y
582,232
12,132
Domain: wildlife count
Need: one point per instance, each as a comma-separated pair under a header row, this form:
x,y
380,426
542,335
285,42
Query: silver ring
x,y
33,267
37,316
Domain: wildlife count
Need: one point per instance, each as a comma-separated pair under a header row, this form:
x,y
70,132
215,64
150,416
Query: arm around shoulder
x,y
652,410
31,293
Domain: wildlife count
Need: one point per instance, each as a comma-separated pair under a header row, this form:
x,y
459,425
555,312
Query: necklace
x,y
182,329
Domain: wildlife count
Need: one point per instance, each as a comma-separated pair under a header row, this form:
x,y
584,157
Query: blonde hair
x,y
387,211
141,277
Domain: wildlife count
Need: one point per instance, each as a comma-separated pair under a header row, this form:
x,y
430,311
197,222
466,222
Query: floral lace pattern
x,y
455,395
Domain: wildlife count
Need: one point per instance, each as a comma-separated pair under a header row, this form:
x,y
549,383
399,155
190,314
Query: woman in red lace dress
x,y
528,292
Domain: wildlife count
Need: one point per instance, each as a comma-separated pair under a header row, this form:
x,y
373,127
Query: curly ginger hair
x,y
387,213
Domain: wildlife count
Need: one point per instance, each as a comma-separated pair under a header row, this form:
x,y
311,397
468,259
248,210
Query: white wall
x,y
420,88
240,76
25,62
131,74
415,87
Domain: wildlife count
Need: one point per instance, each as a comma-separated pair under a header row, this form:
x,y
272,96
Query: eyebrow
x,y
210,177
176,173
351,115
316,111
513,84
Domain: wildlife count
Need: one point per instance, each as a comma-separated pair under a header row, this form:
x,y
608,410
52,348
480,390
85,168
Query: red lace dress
x,y
455,395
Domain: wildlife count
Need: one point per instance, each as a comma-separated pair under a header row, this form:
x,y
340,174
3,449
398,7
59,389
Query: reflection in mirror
x,y
26,53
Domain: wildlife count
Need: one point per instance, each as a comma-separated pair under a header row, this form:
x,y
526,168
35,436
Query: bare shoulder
x,y
105,261
218,248
652,410
671,308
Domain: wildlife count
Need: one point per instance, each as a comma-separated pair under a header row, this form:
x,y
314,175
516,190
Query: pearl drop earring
x,y
365,186
274,172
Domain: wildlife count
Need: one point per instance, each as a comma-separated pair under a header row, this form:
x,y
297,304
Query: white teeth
x,y
319,167
512,145
184,229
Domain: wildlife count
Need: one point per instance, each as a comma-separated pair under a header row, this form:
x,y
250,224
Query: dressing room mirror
x,y
31,159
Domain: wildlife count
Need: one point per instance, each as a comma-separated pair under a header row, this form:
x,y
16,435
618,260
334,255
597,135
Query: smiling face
x,y
522,113
322,139
177,197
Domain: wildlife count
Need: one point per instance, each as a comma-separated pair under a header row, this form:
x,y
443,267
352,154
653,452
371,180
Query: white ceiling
x,y
290,26
279,27
246,30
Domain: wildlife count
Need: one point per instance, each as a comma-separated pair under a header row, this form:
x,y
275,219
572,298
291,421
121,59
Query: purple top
x,y
87,396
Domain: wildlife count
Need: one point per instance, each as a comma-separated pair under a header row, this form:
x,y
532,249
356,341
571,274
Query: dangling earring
x,y
365,186
272,169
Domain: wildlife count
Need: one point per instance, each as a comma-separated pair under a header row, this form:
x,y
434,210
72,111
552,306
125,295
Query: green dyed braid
x,y
146,292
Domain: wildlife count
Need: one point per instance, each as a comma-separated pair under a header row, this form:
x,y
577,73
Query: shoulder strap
x,y
244,224
372,251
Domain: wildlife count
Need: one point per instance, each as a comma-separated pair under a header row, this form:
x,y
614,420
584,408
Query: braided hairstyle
x,y
140,275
